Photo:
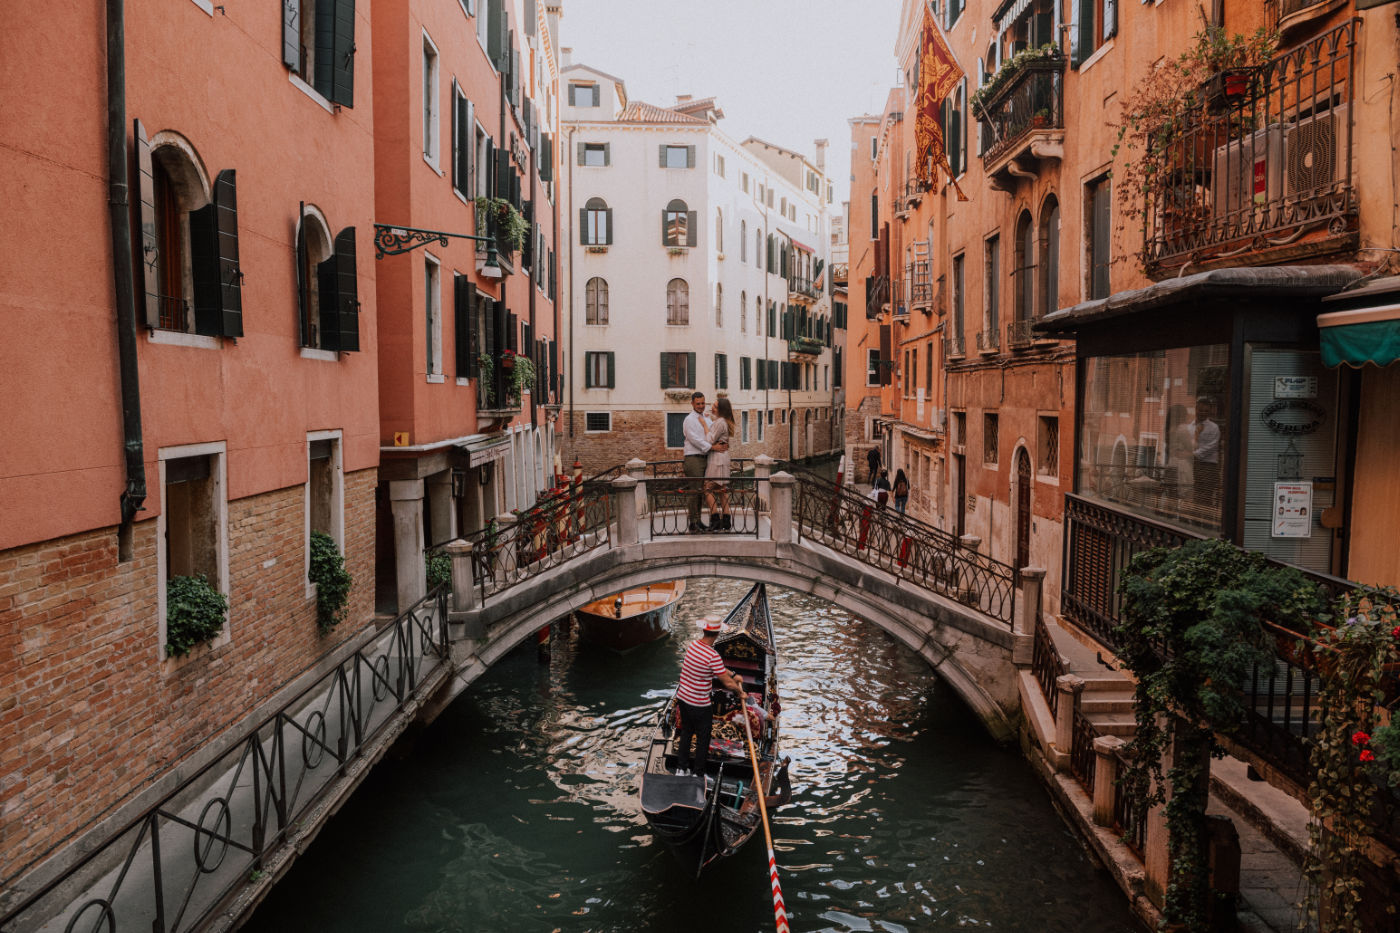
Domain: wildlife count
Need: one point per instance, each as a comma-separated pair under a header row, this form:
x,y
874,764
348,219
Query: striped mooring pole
x,y
779,908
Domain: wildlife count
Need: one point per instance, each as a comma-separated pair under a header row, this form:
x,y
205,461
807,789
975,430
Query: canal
x,y
516,810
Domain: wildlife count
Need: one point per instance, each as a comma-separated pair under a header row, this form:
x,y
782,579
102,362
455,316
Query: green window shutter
x,y
690,158
665,371
665,233
347,291
612,370
607,153
608,237
583,226
327,320
572,101
461,326
303,286
690,367
580,152
546,157
588,370
690,226
218,299
291,35
661,156
337,82
146,195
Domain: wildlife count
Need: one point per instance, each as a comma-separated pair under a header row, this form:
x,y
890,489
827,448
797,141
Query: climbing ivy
x,y
332,581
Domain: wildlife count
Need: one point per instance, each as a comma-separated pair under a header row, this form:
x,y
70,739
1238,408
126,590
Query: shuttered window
x,y
596,155
599,370
585,95
677,302
721,371
677,225
463,314
218,291
671,156
678,370
463,125
745,373
595,301
1099,233
595,223
318,43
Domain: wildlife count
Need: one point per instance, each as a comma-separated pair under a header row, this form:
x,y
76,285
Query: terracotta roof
x,y
641,112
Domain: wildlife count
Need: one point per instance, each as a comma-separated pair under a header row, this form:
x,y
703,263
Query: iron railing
x,y
1082,757
173,313
1018,332
917,275
877,294
1032,99
954,346
187,855
674,504
489,223
805,346
855,525
1129,815
1258,159
988,341
1047,666
496,390
542,537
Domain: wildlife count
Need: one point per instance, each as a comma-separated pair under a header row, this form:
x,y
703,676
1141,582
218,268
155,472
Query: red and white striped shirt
x,y
700,665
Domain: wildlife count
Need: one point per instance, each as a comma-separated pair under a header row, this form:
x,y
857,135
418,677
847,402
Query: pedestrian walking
x,y
873,459
901,491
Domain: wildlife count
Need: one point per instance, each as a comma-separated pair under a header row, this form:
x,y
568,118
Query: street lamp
x,y
391,241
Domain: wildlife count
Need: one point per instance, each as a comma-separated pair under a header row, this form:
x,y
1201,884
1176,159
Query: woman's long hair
x,y
726,411
899,477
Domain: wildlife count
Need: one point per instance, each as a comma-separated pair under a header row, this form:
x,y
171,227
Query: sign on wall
x,y
1293,508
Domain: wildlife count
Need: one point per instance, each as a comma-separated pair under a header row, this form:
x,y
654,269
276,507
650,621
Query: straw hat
x,y
712,624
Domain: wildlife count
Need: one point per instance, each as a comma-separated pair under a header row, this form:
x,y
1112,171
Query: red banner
x,y
938,75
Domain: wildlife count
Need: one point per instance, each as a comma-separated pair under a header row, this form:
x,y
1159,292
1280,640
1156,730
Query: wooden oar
x,y
779,908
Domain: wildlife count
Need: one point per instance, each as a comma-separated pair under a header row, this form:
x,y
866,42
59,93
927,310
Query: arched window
x,y
677,302
1024,274
743,310
719,230
719,304
677,225
597,223
313,248
1049,279
758,248
758,315
743,241
595,301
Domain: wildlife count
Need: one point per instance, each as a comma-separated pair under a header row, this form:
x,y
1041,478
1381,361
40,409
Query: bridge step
x,y
1104,702
1119,724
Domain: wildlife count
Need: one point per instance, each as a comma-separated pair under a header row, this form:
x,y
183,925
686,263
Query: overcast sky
x,y
787,71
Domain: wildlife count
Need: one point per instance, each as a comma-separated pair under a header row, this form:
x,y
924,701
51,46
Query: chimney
x,y
682,98
821,145
566,57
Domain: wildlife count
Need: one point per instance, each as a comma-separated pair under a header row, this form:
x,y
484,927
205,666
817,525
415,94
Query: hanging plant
x,y
485,369
1357,748
1191,632
1048,52
439,568
332,581
514,224
522,376
194,614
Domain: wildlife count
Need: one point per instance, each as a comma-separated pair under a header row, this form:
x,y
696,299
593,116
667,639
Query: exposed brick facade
x,y
92,714
643,434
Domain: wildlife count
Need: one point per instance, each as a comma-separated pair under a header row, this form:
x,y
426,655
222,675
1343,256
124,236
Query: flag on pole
x,y
938,75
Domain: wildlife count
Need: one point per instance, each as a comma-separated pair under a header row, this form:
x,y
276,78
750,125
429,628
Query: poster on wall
x,y
1293,507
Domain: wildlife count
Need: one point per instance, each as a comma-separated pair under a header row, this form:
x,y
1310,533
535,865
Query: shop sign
x,y
1293,507
487,454
1293,416
1295,387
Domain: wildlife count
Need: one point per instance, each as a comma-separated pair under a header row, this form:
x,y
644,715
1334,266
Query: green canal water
x,y
517,809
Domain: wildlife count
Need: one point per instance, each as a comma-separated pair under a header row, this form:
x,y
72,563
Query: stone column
x,y
970,542
1032,584
780,516
1069,687
627,520
506,549
1106,750
406,504
464,588
442,517
762,469
637,469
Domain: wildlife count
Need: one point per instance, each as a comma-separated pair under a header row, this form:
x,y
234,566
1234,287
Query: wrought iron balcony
x,y
1258,165
920,283
489,223
1018,332
988,341
877,295
805,346
801,286
1022,113
954,347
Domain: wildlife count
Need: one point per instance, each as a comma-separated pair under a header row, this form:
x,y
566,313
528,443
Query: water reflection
x,y
517,809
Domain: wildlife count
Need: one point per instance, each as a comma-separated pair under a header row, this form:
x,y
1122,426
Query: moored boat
x,y
634,617
706,817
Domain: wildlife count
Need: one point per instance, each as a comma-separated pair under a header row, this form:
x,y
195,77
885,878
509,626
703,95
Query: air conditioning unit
x,y
1248,174
1315,146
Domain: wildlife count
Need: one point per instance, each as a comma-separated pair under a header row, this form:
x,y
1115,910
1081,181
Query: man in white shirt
x,y
1206,453
697,448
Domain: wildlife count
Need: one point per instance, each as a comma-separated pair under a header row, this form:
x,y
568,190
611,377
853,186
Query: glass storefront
x,y
1153,433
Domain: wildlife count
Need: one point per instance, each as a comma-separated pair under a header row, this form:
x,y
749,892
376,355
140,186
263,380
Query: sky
x,y
786,71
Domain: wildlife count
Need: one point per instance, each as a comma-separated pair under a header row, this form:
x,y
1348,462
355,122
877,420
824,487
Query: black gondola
x,y
706,818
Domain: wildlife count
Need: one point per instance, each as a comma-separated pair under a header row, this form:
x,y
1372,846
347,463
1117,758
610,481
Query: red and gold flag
x,y
938,75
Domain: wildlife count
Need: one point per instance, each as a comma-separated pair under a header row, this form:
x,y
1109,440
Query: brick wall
x,y
91,713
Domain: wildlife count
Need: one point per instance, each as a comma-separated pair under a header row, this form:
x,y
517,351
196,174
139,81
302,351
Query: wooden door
x,y
1023,509
960,494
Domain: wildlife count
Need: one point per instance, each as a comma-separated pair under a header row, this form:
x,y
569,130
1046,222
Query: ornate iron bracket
x,y
390,241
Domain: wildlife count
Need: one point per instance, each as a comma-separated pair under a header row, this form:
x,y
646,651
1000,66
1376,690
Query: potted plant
x,y
485,368
332,581
438,568
522,375
514,225
194,614
507,360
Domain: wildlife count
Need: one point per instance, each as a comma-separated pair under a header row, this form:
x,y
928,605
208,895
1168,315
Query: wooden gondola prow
x,y
779,908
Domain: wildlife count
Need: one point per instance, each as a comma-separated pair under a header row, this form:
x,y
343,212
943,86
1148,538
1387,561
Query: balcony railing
x,y
496,387
807,346
877,294
1018,332
1261,161
988,341
1025,101
954,346
489,223
917,275
803,286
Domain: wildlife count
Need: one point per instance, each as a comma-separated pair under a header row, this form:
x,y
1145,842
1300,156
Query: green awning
x,y
1365,335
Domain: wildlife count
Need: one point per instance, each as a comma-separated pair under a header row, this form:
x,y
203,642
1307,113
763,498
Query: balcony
x,y
1259,169
1018,333
809,347
1022,114
489,223
954,347
802,288
495,394
988,341
899,299
877,295
920,283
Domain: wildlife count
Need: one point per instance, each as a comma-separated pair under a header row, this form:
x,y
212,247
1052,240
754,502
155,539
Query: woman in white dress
x,y
717,464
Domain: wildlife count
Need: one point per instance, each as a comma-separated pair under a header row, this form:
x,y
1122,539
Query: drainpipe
x,y
134,495
568,148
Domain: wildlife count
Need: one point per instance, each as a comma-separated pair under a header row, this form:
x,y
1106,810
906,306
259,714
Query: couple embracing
x,y
707,456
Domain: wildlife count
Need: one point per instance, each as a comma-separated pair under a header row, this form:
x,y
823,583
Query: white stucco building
x,y
694,262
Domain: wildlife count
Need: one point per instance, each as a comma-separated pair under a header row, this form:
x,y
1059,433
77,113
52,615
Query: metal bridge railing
x,y
181,859
507,553
673,503
855,525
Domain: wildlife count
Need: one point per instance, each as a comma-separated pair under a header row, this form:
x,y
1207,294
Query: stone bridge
x,y
969,617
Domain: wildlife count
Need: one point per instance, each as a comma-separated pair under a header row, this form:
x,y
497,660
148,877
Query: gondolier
x,y
700,667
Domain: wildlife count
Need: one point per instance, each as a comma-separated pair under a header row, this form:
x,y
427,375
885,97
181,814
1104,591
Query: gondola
x,y
709,817
634,617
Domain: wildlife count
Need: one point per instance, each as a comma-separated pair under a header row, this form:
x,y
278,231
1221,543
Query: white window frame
x,y
590,149
432,314
432,110
872,367
219,471
588,430
670,149
337,500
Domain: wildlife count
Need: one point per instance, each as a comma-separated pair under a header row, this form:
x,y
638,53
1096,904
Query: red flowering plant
x,y
1356,750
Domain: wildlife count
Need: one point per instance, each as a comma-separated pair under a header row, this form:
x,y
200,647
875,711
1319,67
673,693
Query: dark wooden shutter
x,y
583,226
885,355
1100,240
335,51
291,35
461,139
612,370
665,371
347,291
762,372
665,231
491,344
462,294
218,294
690,227
572,102
581,148
150,247
303,286
328,312
690,158
608,238
690,369
607,153
495,34
512,330
527,252
546,157
661,156
502,174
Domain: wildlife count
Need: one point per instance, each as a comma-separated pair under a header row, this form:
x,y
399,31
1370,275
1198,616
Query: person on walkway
x,y
701,666
697,448
1205,465
880,488
717,464
901,491
873,459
